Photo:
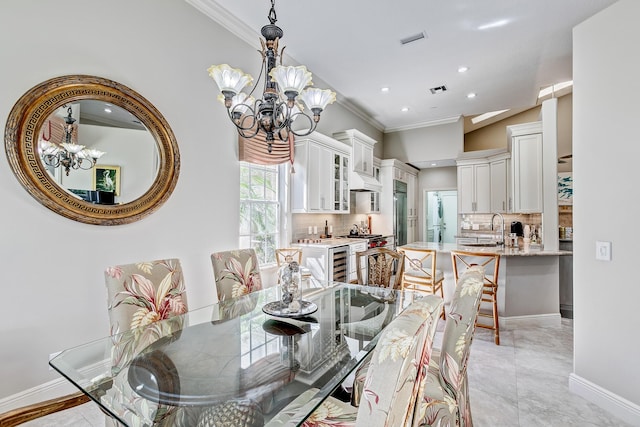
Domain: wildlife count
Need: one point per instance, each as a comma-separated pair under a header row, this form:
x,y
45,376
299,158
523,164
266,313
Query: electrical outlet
x,y
603,251
51,356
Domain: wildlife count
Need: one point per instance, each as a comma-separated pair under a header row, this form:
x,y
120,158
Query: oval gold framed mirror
x,y
26,124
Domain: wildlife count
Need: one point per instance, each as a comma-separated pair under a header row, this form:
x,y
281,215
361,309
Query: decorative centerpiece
x,y
291,303
291,296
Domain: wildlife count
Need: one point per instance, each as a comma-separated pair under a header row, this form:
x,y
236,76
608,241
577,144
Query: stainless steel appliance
x,y
373,240
400,212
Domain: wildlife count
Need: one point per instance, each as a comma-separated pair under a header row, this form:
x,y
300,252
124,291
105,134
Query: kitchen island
x,y
528,280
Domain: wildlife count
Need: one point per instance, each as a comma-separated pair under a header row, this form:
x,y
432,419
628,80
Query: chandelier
x,y
66,154
284,87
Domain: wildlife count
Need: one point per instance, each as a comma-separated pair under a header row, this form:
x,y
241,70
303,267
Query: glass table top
x,y
233,351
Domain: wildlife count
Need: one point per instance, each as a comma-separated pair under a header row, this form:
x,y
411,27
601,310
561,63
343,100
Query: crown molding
x,y
421,125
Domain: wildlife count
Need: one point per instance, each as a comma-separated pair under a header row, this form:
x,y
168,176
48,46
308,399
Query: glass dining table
x,y
232,358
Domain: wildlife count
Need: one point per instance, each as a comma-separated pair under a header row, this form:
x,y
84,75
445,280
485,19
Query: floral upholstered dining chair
x,y
141,294
393,378
237,273
444,400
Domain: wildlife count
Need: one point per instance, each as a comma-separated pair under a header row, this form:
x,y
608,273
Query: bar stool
x,y
420,272
491,263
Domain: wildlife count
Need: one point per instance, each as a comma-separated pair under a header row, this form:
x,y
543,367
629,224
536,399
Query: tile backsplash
x,y
482,222
341,224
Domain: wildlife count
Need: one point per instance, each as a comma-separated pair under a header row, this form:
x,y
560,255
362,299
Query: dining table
x,y
239,356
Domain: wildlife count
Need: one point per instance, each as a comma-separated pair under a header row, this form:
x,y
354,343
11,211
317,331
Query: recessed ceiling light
x,y
494,24
384,89
434,164
471,95
405,109
463,69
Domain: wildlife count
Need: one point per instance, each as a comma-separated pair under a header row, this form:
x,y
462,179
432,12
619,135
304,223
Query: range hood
x,y
362,182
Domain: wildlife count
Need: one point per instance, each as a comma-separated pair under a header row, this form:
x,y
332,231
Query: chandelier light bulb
x,y
229,79
317,99
291,79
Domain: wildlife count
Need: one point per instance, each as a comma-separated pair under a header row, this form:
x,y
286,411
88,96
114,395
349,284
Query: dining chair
x,y
444,397
380,267
420,273
139,294
286,255
237,272
393,379
462,260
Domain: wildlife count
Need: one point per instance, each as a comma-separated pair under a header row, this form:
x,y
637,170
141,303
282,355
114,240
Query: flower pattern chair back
x,y
145,292
137,295
393,378
237,272
444,398
379,265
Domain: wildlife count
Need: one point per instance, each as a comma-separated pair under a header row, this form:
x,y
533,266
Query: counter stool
x,y
491,263
420,272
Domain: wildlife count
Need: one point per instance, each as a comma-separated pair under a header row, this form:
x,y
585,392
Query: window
x,y
259,210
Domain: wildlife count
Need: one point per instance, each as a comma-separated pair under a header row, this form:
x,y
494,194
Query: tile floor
x,y
521,383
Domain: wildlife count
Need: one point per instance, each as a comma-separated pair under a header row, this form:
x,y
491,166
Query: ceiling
x,y
512,49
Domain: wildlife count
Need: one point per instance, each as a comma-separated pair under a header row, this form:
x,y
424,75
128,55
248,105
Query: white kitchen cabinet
x,y
374,196
361,150
354,248
501,200
412,207
474,186
340,182
320,182
526,158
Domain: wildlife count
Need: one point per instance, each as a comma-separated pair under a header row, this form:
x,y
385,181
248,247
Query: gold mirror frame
x,y
21,144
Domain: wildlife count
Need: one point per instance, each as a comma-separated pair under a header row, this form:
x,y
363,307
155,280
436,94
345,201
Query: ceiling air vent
x,y
413,38
438,89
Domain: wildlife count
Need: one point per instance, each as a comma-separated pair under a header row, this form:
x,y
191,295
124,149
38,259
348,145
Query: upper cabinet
x,y
474,186
501,200
320,183
361,175
361,150
526,157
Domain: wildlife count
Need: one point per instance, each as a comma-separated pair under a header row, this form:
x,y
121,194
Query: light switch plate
x,y
603,251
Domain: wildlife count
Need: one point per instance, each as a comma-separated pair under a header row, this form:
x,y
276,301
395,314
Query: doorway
x,y
442,216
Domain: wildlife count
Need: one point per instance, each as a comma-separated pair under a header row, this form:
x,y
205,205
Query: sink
x,y
481,245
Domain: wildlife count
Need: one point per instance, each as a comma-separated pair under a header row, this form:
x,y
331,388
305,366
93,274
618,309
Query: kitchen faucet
x,y
501,242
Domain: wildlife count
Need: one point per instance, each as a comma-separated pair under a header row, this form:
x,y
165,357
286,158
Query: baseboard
x,y
515,322
620,407
50,390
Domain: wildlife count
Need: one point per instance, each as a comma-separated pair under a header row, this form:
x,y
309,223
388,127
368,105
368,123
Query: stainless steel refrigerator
x,y
400,212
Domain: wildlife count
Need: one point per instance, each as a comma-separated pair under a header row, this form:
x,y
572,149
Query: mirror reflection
x,y
99,152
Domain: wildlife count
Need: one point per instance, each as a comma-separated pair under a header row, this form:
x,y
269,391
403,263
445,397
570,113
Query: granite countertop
x,y
448,247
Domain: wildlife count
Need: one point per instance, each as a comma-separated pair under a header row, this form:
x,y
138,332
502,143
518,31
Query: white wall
x,y
53,287
606,151
425,144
